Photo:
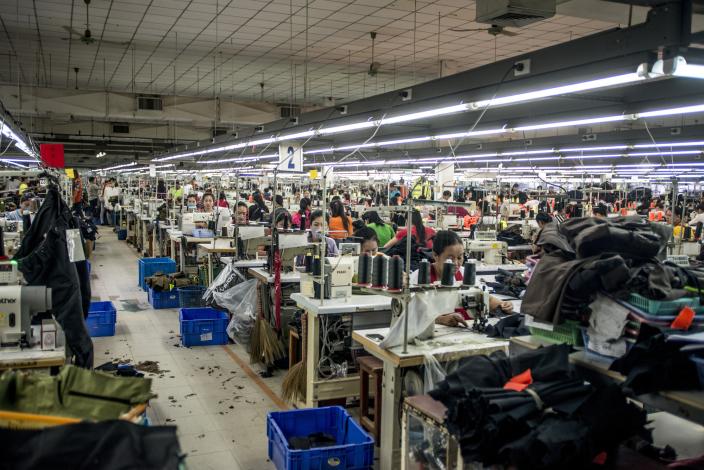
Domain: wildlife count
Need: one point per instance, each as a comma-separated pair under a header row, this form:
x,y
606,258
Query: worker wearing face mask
x,y
315,235
23,209
191,203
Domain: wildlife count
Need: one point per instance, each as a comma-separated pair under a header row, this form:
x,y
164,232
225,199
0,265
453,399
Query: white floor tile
x,y
219,411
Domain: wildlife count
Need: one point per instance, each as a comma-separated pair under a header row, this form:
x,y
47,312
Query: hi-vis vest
x,y
421,189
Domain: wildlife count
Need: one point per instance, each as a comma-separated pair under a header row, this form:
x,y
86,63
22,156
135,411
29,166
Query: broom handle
x,y
304,337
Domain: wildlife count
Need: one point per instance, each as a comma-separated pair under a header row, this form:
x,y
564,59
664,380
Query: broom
x,y
293,386
264,347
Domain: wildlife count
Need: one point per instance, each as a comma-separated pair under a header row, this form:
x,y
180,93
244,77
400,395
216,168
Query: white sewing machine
x,y
252,237
292,245
487,251
448,220
19,305
529,227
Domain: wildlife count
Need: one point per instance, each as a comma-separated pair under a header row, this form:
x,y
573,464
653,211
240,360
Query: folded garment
x,y
655,364
533,411
507,327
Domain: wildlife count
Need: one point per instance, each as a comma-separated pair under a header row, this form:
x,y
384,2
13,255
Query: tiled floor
x,y
220,412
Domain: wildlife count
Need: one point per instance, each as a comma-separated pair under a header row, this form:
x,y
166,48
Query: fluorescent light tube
x,y
426,114
254,143
576,122
116,167
697,108
347,127
616,80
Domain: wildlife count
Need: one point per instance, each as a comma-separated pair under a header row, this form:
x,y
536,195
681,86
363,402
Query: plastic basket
x,y
163,299
101,320
568,333
595,355
354,448
191,296
699,362
150,266
203,326
662,307
122,234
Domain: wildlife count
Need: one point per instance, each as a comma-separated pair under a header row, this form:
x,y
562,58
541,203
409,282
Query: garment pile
x,y
583,256
533,411
108,445
161,282
73,393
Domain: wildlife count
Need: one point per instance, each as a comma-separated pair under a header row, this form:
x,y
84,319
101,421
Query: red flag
x,y
52,155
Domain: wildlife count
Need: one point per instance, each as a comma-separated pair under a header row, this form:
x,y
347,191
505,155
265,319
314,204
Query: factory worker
x,y
368,242
447,245
191,203
316,227
242,213
221,214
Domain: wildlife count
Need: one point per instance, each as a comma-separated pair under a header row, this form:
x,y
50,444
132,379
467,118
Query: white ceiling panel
x,y
249,39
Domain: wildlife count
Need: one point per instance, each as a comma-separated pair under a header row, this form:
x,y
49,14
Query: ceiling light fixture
x,y
116,167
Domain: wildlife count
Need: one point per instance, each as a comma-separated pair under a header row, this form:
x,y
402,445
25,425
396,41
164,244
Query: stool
x,y
370,366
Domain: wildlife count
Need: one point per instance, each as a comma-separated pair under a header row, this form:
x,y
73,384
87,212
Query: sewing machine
x,y
485,235
292,245
340,270
487,251
529,227
18,305
448,220
475,301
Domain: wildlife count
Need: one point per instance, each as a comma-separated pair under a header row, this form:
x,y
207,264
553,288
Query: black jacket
x,y
43,259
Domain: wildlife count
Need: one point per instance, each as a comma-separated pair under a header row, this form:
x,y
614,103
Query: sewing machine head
x,y
292,245
487,251
251,245
18,304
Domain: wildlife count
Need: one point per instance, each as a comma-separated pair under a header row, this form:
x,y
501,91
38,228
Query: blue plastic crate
x,y
191,296
203,326
101,320
354,448
150,266
163,299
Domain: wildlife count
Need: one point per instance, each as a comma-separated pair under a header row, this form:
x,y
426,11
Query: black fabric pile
x,y
508,327
583,256
558,422
512,236
655,364
108,445
311,441
508,283
43,260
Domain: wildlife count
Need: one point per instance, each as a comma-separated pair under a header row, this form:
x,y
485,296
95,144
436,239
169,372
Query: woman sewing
x,y
447,245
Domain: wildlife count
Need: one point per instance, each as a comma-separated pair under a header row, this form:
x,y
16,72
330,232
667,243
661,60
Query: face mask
x,y
191,206
314,233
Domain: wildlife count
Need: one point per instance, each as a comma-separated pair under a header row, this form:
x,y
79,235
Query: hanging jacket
x,y
43,259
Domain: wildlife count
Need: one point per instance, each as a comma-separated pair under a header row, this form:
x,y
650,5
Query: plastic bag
x,y
241,301
433,372
228,277
423,309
